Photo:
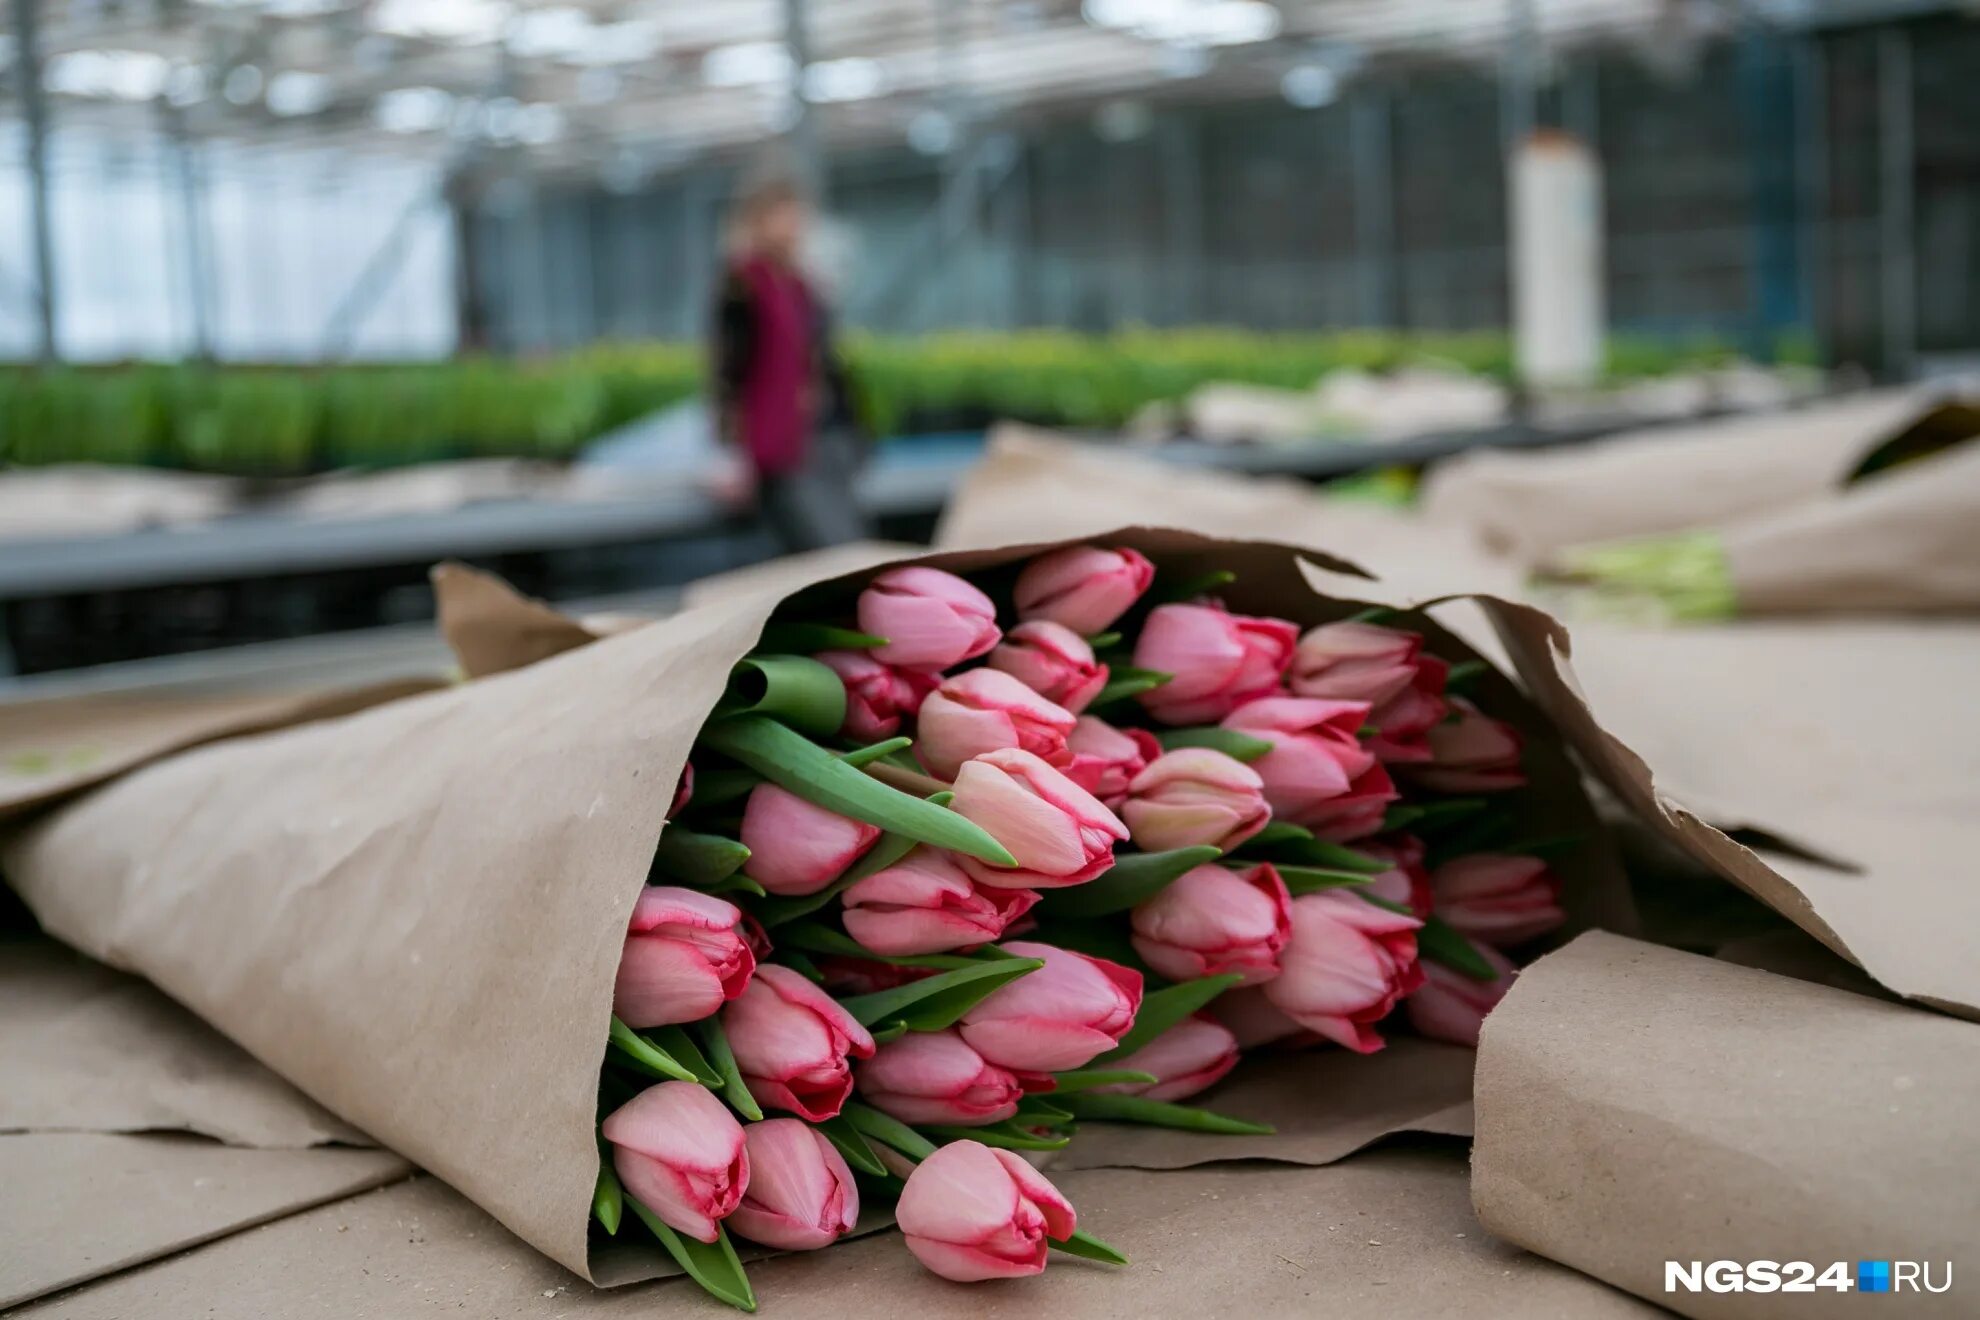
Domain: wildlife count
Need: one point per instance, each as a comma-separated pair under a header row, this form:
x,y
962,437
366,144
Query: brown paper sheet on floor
x,y
1638,1104
1388,1234
366,904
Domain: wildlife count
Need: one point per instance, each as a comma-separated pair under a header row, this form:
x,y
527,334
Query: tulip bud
x,y
683,791
1053,661
1403,722
1189,1057
797,847
970,1212
1351,661
1058,832
1473,753
1082,587
1347,964
982,710
1315,757
801,1195
931,619
1452,1006
1407,883
1501,899
1106,759
878,695
935,1077
1058,1017
1217,660
683,959
1211,920
925,904
1195,796
680,1153
791,1040
1356,813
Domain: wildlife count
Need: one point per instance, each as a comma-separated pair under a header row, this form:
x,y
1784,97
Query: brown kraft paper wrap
x,y
415,914
1637,1104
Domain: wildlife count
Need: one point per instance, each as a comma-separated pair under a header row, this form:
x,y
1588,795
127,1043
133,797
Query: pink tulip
x,y
970,1212
1189,1057
1473,753
1057,1017
935,1077
1499,898
1357,813
1407,884
1211,920
982,710
1403,722
1315,757
683,791
1053,661
1451,1006
878,695
1351,661
1217,660
924,903
791,1040
796,847
680,1153
1348,963
1194,796
931,619
1255,1021
683,959
1106,759
1058,832
1082,587
801,1195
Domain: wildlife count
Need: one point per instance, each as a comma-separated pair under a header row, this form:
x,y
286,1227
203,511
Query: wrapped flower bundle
x,y
981,857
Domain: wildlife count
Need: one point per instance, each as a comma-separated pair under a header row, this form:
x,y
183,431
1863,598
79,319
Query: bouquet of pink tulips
x,y
978,859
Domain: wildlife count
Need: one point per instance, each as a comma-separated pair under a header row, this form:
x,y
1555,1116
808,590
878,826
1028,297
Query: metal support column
x,y
1898,256
808,156
1182,212
1811,167
1519,77
192,233
34,111
1370,152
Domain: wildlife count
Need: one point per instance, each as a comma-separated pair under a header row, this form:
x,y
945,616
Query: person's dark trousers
x,y
813,506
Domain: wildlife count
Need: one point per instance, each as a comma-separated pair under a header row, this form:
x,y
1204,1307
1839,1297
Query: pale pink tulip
x,y
1057,1017
1407,884
1053,661
878,695
1217,660
683,791
797,847
924,903
1195,796
1451,1006
801,1195
1346,966
1212,920
935,1077
1473,753
1315,757
970,1212
1106,759
1357,813
1189,1057
680,1153
1403,722
1351,661
791,1040
1058,832
931,619
982,710
683,959
1500,898
1082,587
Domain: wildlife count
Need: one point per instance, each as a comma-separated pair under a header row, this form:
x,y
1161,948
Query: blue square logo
x,y
1873,1276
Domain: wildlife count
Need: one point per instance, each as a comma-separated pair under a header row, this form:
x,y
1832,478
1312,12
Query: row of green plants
x,y
284,420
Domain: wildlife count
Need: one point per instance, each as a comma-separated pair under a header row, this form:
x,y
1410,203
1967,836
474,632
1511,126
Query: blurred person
x,y
780,396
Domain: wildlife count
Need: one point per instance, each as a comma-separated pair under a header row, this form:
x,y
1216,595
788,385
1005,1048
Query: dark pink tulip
x,y
801,1195
931,619
1217,660
1212,920
1053,661
680,1153
683,959
981,710
1357,813
1194,796
924,903
1189,1057
1057,1017
1106,759
1058,832
936,1077
791,1040
1347,965
1473,753
1452,1006
1316,756
878,695
1082,587
1501,899
1352,661
970,1212
1404,721
1408,883
797,847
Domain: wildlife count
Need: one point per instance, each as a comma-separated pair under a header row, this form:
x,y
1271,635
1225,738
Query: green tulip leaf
x,y
1129,682
814,938
1160,1113
1162,1009
939,1001
646,1056
1290,843
735,884
1190,588
1312,879
1088,1247
692,858
1239,746
851,1144
1086,1079
1463,674
800,964
1007,1135
1133,879
887,1130
723,1059
1102,641
713,1265
681,1048
608,1199
796,689
806,638
880,751
714,788
1441,943
1387,905
1422,816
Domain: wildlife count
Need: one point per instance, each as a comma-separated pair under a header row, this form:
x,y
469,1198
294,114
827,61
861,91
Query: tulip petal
x,y
663,981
